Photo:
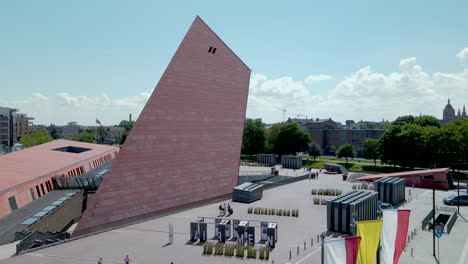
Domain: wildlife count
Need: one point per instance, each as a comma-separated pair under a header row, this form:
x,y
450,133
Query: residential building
x,y
7,128
24,125
328,134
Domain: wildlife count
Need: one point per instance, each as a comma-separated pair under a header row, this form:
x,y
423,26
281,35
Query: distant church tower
x,y
449,112
464,111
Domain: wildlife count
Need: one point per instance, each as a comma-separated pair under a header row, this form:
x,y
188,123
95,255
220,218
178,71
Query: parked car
x,y
453,199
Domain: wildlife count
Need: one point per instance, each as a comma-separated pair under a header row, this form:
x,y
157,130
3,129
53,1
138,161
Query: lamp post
x,y
433,212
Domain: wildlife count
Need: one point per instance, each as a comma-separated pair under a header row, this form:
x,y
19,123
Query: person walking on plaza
x,y
127,260
99,261
221,209
225,209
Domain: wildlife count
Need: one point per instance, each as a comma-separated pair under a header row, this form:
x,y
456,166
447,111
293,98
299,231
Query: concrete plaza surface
x,y
453,247
147,242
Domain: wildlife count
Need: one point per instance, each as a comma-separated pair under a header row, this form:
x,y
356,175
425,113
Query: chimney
x,y
129,117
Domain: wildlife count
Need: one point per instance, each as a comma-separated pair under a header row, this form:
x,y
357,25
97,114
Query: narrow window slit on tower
x,y
210,49
214,50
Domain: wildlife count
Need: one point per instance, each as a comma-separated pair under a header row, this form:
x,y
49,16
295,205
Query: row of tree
x,y
421,142
281,138
88,135
408,142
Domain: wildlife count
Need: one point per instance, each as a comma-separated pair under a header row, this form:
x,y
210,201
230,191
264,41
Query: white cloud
x,y
64,107
463,56
363,94
317,78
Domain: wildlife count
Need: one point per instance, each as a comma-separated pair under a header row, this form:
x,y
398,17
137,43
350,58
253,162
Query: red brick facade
x,y
185,146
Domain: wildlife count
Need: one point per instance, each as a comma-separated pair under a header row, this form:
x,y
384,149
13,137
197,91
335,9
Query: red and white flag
x,y
98,122
393,238
341,251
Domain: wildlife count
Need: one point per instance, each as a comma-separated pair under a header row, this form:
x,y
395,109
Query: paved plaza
x,y
147,242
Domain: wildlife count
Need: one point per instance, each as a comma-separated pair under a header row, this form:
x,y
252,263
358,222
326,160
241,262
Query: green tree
x,y
53,132
346,151
314,150
454,142
401,120
389,145
288,138
426,121
35,138
101,135
128,125
370,149
86,136
431,146
254,138
410,142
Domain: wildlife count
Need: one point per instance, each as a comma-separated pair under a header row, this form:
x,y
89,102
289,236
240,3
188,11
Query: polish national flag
x,y
394,232
341,251
98,122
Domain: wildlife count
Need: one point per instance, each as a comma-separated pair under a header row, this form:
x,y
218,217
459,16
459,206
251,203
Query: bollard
x,y
318,240
311,242
298,250
304,246
289,254
412,252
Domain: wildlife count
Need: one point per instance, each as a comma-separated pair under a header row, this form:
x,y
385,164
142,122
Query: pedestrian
x,y
127,260
220,209
225,209
99,261
230,209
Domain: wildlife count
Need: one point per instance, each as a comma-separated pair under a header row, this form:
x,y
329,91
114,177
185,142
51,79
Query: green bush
x,y
240,250
251,252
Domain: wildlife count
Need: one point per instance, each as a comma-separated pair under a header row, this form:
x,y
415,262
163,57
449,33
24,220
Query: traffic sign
x,y
438,234
438,228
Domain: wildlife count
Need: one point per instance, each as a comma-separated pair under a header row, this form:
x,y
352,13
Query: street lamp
x,y
433,211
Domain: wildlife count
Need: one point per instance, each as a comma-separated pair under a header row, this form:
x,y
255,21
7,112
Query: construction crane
x,y
284,112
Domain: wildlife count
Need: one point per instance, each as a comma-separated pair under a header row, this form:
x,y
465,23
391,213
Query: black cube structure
x,y
291,162
266,159
391,190
344,211
247,192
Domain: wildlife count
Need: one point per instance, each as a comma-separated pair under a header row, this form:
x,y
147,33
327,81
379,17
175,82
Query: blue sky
x,y
64,60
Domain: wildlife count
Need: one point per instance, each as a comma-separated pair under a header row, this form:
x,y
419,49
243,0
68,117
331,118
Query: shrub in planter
x,y
219,248
316,200
240,250
267,253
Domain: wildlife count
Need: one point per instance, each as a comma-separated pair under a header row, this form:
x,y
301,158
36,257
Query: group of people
x,y
225,210
313,175
126,260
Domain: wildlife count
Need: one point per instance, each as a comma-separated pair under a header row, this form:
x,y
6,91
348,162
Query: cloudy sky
x,y
78,60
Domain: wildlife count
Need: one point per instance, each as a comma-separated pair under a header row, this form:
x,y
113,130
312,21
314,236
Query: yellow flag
x,y
369,231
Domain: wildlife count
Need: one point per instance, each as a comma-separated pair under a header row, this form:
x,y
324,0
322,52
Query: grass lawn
x,y
357,167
